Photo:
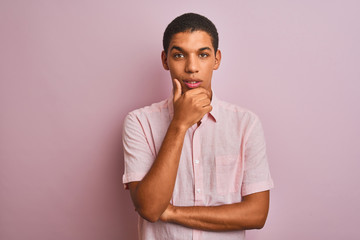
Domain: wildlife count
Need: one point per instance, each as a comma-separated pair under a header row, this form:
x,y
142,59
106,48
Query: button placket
x,y
198,171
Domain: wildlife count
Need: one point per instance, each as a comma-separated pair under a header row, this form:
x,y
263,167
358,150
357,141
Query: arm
x,y
152,194
251,213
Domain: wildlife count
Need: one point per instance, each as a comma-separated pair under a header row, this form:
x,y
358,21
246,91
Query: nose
x,y
192,64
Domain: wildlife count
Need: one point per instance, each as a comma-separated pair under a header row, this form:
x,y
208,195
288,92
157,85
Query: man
x,y
196,166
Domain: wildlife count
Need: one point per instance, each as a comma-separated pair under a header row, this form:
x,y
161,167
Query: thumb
x,y
177,89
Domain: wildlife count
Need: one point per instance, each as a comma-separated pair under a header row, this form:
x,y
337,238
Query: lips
x,y
192,83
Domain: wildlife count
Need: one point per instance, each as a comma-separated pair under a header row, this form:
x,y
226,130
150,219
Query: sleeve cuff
x,y
132,177
257,187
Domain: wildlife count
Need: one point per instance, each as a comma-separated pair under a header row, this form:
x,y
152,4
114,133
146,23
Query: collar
x,y
214,112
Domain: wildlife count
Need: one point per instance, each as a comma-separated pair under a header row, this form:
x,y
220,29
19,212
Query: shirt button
x,y
197,161
198,190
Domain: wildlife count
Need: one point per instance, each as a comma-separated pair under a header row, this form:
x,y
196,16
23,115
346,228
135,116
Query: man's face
x,y
191,59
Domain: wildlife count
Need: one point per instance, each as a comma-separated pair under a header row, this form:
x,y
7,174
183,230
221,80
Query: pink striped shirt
x,y
222,160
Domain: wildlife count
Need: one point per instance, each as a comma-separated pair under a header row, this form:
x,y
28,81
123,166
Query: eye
x,y
203,55
178,55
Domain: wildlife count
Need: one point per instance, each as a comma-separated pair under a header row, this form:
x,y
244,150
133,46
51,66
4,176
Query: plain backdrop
x,y
71,70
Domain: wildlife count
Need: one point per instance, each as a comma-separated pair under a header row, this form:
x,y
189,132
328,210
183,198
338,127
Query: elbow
x,y
146,208
256,221
259,226
150,218
255,225
259,222
148,214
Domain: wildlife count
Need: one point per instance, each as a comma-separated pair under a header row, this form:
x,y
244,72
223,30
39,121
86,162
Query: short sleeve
x,y
257,176
138,156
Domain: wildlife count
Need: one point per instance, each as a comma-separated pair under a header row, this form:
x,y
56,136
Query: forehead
x,y
191,40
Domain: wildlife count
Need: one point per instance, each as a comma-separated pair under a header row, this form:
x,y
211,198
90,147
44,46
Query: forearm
x,y
251,213
153,193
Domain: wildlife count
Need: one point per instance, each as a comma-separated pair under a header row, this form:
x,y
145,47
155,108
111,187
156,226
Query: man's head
x,y
191,51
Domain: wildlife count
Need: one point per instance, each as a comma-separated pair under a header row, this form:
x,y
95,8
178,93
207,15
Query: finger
x,y
177,89
207,109
199,90
201,97
196,91
204,102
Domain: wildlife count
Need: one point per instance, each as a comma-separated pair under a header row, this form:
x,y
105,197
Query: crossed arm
x,y
151,195
250,213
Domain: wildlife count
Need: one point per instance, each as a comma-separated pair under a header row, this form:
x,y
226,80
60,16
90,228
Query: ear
x,y
217,59
164,60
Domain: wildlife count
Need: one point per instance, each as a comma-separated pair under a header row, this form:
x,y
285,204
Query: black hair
x,y
190,22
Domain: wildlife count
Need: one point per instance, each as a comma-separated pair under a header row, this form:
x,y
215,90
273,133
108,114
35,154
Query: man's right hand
x,y
191,106
151,195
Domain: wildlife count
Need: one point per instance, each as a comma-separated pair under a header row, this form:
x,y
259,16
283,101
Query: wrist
x,y
178,126
171,213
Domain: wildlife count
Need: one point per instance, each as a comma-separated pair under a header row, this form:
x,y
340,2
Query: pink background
x,y
71,70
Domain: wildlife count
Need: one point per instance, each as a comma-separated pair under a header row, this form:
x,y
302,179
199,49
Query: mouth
x,y
191,83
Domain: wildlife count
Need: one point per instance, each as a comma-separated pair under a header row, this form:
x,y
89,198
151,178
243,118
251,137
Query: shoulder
x,y
148,117
155,108
233,111
244,120
148,122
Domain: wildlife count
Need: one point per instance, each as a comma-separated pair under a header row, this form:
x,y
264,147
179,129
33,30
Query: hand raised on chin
x,y
191,106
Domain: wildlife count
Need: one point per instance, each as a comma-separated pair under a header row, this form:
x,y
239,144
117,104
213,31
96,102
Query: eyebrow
x,y
177,48
181,50
205,48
